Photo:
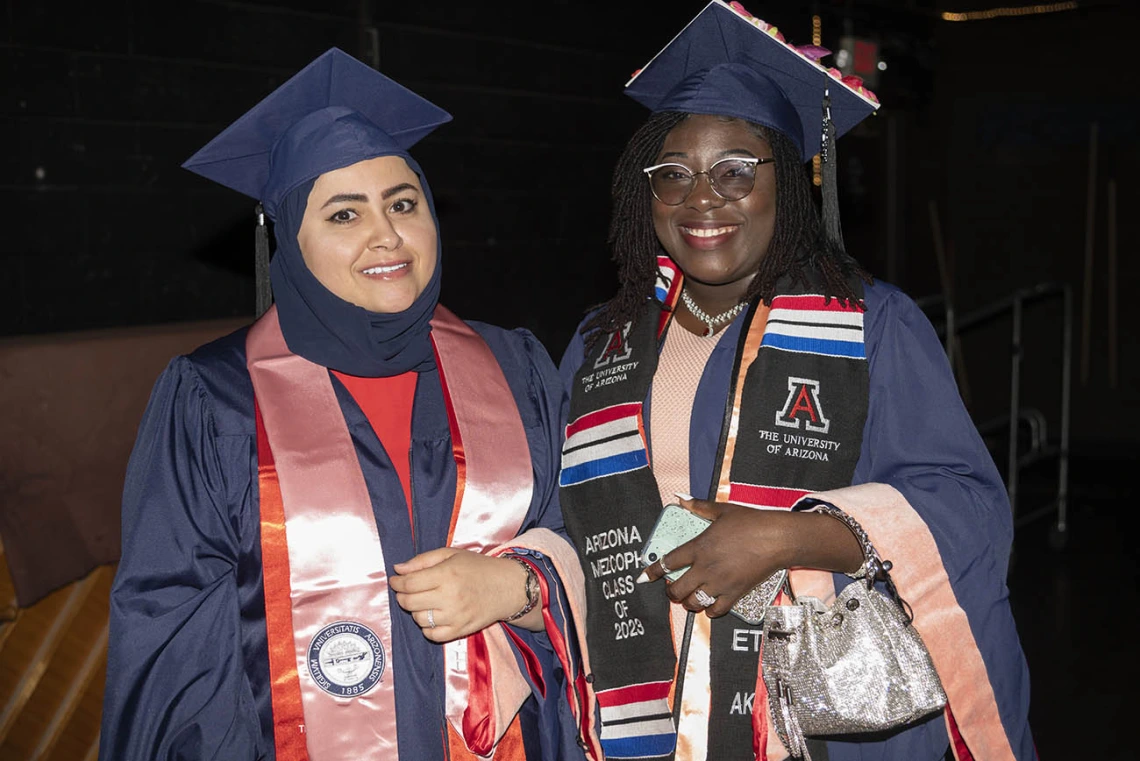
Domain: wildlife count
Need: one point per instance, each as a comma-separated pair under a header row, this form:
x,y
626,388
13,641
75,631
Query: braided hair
x,y
799,249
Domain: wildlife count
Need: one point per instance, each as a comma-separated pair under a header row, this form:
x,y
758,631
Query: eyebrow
x,y
397,189
346,198
723,154
362,198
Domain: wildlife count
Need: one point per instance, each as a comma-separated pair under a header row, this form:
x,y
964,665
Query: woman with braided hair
x,y
798,245
747,359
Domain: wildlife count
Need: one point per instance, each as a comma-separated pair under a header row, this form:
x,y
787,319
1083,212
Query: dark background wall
x,y
103,101
987,120
1015,109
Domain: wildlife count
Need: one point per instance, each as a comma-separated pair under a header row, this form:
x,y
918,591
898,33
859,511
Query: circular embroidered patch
x,y
346,659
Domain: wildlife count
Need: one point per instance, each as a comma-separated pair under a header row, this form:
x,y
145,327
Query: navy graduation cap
x,y
331,114
727,63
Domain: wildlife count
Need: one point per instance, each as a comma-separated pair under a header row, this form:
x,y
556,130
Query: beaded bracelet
x,y
532,592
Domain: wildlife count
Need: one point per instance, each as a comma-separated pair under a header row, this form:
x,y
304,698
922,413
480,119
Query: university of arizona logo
x,y
616,348
346,659
803,404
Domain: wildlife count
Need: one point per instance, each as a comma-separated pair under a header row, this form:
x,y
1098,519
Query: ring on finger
x,y
431,618
664,568
704,599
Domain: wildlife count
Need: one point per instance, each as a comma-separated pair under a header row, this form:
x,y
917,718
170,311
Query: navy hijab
x,y
317,324
332,114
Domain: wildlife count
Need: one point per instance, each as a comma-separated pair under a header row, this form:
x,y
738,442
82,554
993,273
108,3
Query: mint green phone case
x,y
674,527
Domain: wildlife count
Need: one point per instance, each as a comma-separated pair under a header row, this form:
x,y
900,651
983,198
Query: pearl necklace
x,y
703,316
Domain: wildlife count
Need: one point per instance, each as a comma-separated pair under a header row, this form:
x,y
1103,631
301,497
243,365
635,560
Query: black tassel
x,y
264,289
830,190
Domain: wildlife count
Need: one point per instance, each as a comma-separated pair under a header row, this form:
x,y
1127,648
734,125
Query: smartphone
x,y
674,527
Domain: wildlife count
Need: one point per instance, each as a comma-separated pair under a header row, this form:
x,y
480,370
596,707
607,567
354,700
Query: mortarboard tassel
x,y
829,190
262,286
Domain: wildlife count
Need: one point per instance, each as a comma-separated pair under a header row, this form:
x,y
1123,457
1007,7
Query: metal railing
x,y
1013,306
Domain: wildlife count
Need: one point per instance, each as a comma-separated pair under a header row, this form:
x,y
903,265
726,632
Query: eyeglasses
x,y
731,179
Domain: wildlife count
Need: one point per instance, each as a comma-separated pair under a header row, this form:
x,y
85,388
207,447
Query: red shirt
x,y
387,403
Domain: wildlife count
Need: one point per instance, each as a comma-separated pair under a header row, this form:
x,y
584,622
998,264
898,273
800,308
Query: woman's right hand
x,y
453,593
744,546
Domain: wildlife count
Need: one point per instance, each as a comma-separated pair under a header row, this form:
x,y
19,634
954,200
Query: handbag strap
x,y
873,569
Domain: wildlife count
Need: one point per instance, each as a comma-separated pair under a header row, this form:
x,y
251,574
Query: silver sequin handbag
x,y
858,666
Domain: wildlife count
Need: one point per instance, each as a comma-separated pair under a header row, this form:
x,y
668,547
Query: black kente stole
x,y
793,424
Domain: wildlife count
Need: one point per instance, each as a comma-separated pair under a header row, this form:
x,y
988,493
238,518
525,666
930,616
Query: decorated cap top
x,y
726,62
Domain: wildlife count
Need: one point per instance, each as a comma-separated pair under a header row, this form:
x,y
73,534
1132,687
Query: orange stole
x,y
285,691
510,747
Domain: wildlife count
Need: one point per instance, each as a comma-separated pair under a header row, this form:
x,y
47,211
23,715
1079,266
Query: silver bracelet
x,y
873,566
532,592
874,569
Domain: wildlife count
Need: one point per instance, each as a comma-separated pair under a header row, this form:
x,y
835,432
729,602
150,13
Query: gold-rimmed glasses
x,y
730,178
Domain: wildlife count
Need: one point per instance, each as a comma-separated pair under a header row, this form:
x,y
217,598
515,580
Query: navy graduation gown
x,y
918,438
187,671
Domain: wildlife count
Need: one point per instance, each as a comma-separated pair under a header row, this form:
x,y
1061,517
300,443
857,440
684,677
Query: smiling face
x,y
368,235
718,244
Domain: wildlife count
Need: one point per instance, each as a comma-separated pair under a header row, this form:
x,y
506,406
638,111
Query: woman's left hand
x,y
459,591
741,548
744,546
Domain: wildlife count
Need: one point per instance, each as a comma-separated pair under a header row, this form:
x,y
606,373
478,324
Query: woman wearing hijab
x,y
748,360
341,533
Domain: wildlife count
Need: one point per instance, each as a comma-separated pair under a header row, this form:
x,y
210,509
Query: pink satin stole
x,y
335,555
495,478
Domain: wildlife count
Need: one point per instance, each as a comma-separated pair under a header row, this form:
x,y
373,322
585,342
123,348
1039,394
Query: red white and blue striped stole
x,y
611,440
636,722
793,424
810,323
797,324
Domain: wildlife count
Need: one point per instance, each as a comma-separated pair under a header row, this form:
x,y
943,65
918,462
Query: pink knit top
x,y
683,360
